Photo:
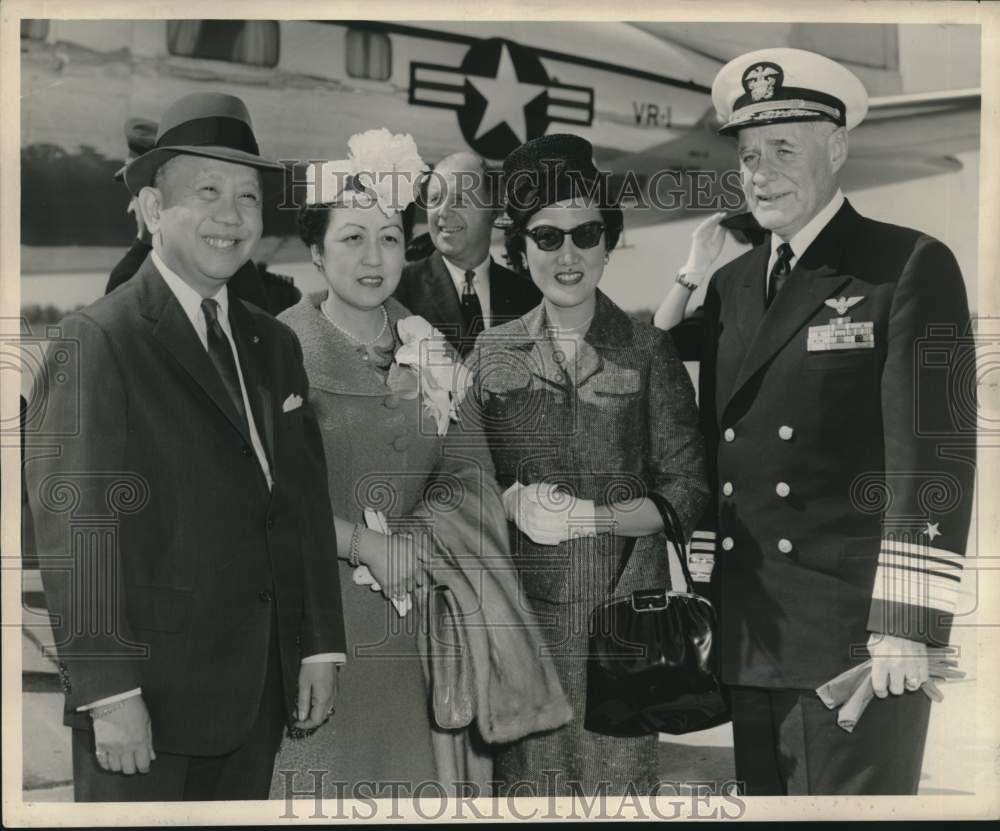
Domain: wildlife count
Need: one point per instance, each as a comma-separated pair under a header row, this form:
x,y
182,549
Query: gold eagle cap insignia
x,y
760,81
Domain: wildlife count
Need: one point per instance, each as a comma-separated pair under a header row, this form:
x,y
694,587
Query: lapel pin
x,y
842,304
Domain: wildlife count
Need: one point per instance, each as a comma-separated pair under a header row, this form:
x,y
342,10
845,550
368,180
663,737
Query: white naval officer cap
x,y
772,86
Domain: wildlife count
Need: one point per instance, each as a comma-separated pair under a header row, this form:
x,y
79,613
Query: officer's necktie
x,y
222,356
472,310
779,271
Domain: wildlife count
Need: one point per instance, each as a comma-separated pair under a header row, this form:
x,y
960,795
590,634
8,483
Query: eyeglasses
x,y
550,238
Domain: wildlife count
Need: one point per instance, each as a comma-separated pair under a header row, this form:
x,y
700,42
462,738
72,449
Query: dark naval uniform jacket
x,y
842,476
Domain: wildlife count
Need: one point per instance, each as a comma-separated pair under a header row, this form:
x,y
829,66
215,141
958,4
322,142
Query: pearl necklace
x,y
358,341
560,330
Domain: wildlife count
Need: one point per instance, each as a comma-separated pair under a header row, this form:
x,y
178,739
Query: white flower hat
x,y
384,165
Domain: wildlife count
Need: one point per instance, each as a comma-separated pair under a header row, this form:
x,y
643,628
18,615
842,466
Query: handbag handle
x,y
674,532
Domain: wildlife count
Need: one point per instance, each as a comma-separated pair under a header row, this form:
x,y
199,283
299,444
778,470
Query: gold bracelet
x,y
354,557
686,283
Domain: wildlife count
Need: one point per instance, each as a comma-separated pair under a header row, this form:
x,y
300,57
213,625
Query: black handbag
x,y
650,660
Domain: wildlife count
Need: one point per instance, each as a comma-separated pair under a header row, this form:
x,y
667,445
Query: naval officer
x,y
833,417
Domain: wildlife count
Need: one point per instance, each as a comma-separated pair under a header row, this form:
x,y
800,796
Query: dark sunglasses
x,y
550,238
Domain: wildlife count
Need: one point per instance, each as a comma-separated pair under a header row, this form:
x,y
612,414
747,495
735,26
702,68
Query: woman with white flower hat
x,y
385,389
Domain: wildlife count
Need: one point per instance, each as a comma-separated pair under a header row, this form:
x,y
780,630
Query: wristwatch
x,y
686,283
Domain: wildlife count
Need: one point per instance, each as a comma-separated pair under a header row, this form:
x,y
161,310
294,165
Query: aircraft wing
x,y
904,137
928,124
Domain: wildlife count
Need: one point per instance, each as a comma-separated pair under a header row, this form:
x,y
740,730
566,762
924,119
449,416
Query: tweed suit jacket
x,y
619,423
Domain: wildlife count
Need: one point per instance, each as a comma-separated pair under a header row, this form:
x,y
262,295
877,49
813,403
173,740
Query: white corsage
x,y
425,365
385,164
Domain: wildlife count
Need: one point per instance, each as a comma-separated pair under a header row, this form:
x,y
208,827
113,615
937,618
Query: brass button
x,y
785,546
401,443
782,489
727,488
785,432
391,401
728,543
730,434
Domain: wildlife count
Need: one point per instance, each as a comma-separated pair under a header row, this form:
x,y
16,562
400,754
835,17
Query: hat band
x,y
531,190
748,112
214,131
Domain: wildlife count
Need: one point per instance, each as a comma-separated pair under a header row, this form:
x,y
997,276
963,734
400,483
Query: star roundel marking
x,y
502,95
506,99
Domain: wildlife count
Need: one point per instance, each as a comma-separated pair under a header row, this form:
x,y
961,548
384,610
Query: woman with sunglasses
x,y
585,410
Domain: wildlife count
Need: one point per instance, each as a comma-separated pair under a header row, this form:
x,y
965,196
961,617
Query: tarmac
x,y
959,758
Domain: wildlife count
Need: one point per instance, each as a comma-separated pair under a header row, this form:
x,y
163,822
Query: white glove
x,y
548,515
362,576
898,664
707,241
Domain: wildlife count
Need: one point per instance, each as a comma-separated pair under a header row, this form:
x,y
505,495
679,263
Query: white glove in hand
x,y
548,515
510,500
898,664
362,576
707,241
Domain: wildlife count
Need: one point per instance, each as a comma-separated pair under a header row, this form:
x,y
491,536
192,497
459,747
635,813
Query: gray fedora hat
x,y
209,124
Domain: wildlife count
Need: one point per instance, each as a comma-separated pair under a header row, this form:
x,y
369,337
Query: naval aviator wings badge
x,y
841,332
841,304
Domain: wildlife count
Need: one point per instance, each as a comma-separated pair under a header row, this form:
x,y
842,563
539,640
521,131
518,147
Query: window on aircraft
x,y
253,42
34,29
369,55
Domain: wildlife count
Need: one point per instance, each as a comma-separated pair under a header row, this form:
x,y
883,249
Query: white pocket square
x,y
293,402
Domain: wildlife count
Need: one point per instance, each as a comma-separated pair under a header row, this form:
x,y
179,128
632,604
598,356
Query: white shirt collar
x,y
481,280
190,302
189,299
808,233
481,283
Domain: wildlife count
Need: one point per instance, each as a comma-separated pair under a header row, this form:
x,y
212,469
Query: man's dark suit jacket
x,y
426,289
164,555
831,467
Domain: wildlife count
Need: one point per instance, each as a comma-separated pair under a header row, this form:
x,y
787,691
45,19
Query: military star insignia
x,y
932,530
506,97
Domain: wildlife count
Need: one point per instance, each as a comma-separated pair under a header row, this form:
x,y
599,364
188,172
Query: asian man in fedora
x,y
252,281
207,618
